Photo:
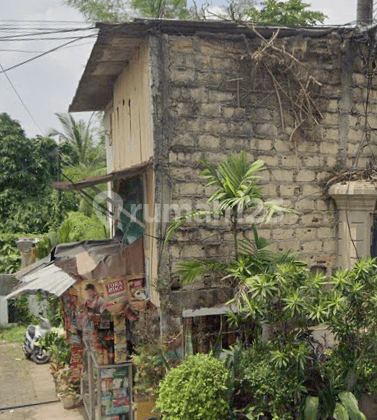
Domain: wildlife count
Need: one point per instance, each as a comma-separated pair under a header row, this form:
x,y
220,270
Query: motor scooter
x,y
30,346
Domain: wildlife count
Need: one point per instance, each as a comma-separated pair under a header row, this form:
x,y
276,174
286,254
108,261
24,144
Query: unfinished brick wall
x,y
218,102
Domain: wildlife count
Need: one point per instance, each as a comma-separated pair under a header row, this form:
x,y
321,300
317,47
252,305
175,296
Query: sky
x,y
33,92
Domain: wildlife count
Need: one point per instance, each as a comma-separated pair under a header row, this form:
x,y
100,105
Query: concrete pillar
x,y
4,319
364,12
25,246
7,282
356,202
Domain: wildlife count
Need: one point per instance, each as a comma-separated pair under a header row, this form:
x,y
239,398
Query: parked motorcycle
x,y
30,346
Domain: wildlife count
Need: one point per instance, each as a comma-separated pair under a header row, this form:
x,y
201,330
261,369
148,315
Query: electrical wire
x,y
104,210
40,51
45,53
22,51
45,39
19,97
61,31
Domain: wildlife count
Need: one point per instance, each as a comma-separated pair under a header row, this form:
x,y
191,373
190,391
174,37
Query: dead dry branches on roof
x,y
291,79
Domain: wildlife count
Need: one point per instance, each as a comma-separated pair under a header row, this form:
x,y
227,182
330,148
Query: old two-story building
x,y
173,92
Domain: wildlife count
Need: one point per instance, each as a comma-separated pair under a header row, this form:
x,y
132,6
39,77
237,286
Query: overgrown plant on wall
x,y
294,85
236,194
291,374
282,371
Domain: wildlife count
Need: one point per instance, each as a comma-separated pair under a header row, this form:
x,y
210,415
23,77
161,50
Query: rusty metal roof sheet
x,y
117,43
50,279
88,182
90,260
32,267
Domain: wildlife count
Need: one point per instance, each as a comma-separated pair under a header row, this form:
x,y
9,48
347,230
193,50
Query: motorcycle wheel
x,y
26,353
40,356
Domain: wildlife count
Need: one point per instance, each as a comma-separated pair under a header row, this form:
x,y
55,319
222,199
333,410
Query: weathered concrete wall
x,y
212,100
7,282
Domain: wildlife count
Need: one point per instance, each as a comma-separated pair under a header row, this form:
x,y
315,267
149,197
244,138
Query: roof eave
x,y
116,44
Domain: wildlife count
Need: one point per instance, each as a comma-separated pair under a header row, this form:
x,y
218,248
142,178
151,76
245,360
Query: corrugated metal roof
x,y
50,279
32,267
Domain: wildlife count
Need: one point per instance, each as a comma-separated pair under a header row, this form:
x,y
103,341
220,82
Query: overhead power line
x,y
38,20
39,52
21,51
38,33
19,97
45,53
44,39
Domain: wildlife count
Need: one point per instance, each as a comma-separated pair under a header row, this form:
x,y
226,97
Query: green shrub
x,y
56,342
261,388
19,311
196,389
152,365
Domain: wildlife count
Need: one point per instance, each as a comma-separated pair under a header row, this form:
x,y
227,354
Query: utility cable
x,y
22,51
45,33
43,39
105,211
19,97
45,53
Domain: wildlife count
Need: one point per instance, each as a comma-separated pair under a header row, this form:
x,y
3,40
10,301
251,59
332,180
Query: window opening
x,y
210,332
132,193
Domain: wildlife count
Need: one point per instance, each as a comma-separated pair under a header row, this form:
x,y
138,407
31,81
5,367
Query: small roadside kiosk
x,y
102,287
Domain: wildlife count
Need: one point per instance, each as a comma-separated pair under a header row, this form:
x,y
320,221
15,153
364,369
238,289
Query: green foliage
x,y
340,413
74,228
196,389
101,10
27,167
311,408
14,334
52,308
289,295
78,227
191,270
119,10
261,388
273,12
48,241
21,310
152,365
80,136
352,317
55,341
290,300
10,258
347,408
166,9
289,13
236,194
350,403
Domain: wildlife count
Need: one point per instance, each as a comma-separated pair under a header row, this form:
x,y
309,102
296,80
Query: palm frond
x,y
179,221
273,208
210,173
192,270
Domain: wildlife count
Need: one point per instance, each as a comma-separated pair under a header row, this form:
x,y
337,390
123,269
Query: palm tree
x,y
76,133
237,191
89,158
